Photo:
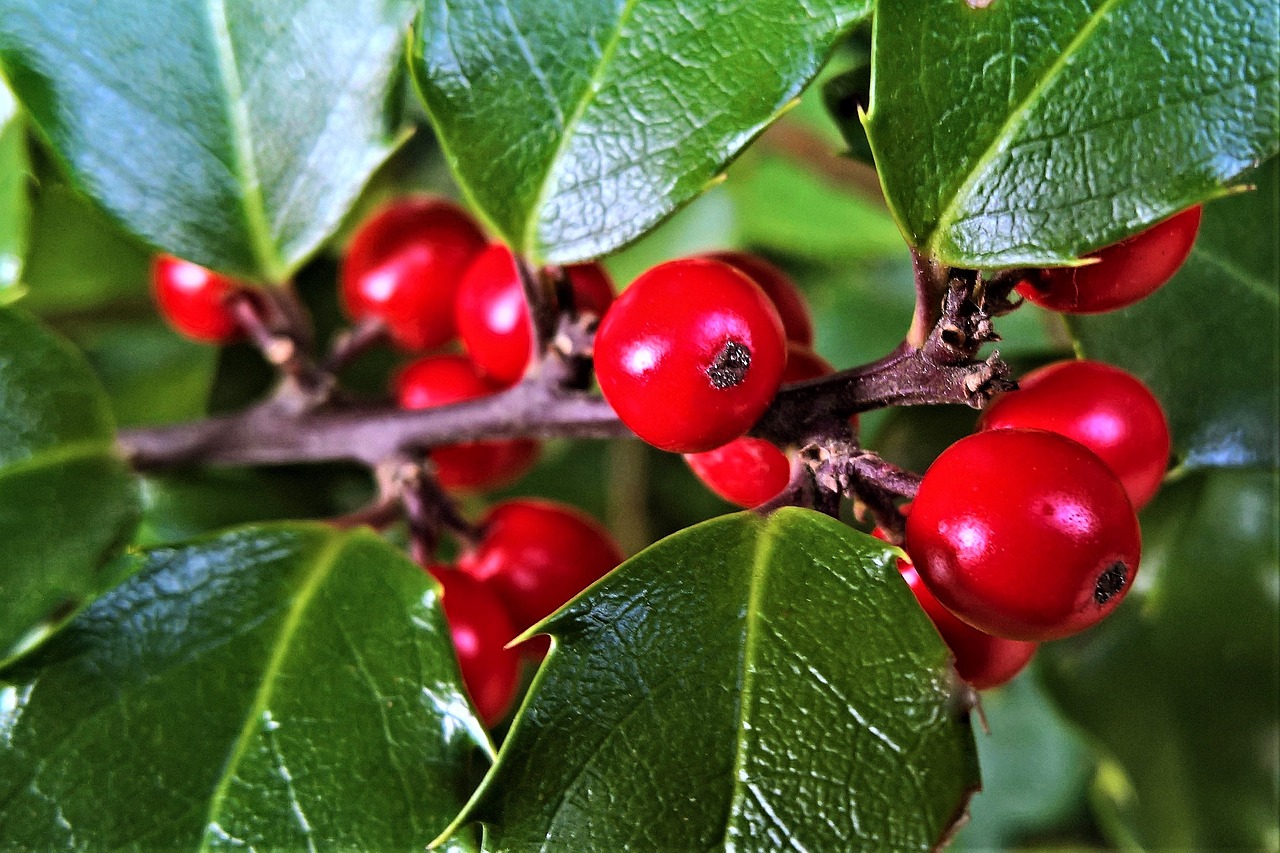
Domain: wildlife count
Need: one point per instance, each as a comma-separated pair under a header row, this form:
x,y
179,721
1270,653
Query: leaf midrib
x,y
1012,124
1253,283
765,546
589,93
245,166
58,454
323,566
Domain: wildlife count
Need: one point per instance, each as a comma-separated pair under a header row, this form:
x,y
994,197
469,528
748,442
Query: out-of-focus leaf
x,y
1206,343
575,130
1028,133
67,502
708,224
284,687
1180,685
14,207
751,683
235,135
1035,769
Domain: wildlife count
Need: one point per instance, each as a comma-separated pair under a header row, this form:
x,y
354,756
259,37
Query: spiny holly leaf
x,y
1206,342
577,127
67,502
284,687
1026,133
1179,685
751,683
14,209
235,135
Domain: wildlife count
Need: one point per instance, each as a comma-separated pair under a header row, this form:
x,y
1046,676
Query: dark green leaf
x,y
67,502
1027,133
1206,343
576,129
14,211
285,687
749,683
1180,684
233,134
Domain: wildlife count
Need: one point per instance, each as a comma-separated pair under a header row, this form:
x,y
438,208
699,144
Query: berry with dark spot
x,y
690,355
1024,534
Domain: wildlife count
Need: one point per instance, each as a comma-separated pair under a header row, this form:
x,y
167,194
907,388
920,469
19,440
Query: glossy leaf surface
x,y
1180,684
1206,343
575,127
748,683
67,502
1027,133
283,687
14,208
235,135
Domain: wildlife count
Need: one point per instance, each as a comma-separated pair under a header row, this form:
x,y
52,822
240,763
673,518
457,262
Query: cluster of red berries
x,y
1021,533
532,558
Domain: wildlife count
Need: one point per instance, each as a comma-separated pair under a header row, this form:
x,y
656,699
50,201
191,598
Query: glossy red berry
x,y
690,355
1104,408
404,266
781,290
195,301
493,318
749,471
1024,534
536,555
480,629
1124,272
437,380
982,660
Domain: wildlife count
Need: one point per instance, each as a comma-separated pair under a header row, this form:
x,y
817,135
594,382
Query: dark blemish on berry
x,y
1110,582
730,367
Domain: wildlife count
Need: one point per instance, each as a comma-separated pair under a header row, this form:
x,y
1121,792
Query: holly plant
x,y
670,425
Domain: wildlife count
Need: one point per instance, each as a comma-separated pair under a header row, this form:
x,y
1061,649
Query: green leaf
x,y
575,131
1206,343
14,206
235,135
748,683
285,687
1179,684
1028,133
67,502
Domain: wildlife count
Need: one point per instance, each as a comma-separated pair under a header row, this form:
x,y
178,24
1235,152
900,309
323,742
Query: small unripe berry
x,y
404,266
195,301
1104,408
1024,534
438,380
493,317
1123,273
480,629
690,355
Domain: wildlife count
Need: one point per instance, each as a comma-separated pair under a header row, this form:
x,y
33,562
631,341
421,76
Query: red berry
x,y
1104,408
480,629
982,660
749,471
690,355
493,319
1124,273
404,266
781,290
1024,534
195,300
536,555
438,380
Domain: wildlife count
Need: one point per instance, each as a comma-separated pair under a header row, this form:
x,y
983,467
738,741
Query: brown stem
x,y
355,342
